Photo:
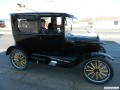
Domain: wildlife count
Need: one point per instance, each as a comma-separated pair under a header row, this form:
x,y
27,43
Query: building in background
x,y
107,22
103,22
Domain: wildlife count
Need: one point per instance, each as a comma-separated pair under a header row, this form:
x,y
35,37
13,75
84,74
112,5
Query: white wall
x,y
106,25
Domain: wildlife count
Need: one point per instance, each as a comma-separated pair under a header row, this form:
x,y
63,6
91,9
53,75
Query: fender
x,y
99,54
102,43
10,49
13,47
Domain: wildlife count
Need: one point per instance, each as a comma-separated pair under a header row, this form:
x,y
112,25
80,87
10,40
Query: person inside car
x,y
43,28
53,25
43,24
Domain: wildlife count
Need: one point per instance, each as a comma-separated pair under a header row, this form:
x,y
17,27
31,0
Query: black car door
x,y
51,42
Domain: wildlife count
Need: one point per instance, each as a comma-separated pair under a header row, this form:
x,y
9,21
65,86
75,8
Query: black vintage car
x,y
47,38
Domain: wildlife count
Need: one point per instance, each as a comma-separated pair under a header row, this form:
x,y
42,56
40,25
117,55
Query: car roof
x,y
46,14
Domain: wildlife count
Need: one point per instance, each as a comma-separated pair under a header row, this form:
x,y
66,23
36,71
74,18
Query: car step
x,y
52,63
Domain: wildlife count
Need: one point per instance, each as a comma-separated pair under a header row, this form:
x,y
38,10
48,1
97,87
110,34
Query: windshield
x,y
73,24
68,24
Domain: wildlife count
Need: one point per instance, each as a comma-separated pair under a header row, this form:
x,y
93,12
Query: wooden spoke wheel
x,y
98,70
18,59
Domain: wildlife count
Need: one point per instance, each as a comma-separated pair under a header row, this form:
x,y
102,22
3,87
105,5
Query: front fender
x,y
99,54
102,43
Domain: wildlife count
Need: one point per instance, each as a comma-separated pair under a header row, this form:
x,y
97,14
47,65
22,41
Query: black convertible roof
x,y
46,14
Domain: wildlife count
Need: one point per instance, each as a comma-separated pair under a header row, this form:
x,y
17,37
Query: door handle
x,y
40,38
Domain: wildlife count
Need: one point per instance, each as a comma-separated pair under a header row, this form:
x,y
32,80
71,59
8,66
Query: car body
x,y
58,47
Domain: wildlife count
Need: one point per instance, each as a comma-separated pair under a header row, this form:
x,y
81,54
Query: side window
x,y
50,25
27,24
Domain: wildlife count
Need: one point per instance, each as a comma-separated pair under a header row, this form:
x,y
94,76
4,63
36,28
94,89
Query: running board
x,y
53,60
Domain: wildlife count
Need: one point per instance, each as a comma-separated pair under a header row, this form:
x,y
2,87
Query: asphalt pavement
x,y
43,77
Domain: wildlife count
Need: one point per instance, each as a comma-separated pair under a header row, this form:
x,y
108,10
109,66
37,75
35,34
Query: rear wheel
x,y
19,59
97,70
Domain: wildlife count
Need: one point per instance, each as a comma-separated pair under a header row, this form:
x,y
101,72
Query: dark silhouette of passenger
x,y
53,24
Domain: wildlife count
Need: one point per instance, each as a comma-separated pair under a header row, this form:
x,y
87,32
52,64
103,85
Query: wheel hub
x,y
96,71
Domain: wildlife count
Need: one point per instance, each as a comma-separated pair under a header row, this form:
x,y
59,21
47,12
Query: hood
x,y
91,38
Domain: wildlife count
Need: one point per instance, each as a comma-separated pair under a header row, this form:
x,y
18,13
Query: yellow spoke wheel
x,y
18,59
97,70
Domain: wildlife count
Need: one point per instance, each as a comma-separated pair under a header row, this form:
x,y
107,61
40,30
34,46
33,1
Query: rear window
x,y
27,24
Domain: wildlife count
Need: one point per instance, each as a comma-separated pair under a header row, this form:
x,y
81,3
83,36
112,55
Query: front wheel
x,y
19,59
97,70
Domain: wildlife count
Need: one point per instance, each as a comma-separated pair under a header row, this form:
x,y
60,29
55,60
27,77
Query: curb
x,y
5,32
109,36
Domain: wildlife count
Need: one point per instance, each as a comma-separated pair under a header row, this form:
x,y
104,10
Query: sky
x,y
79,8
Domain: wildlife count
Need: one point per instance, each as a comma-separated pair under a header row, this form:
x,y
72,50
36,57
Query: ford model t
x,y
47,38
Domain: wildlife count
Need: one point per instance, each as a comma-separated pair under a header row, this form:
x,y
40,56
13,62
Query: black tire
x,y
102,49
19,59
97,70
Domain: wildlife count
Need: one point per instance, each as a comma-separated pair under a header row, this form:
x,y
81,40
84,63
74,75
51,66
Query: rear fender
x,y
10,49
14,47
